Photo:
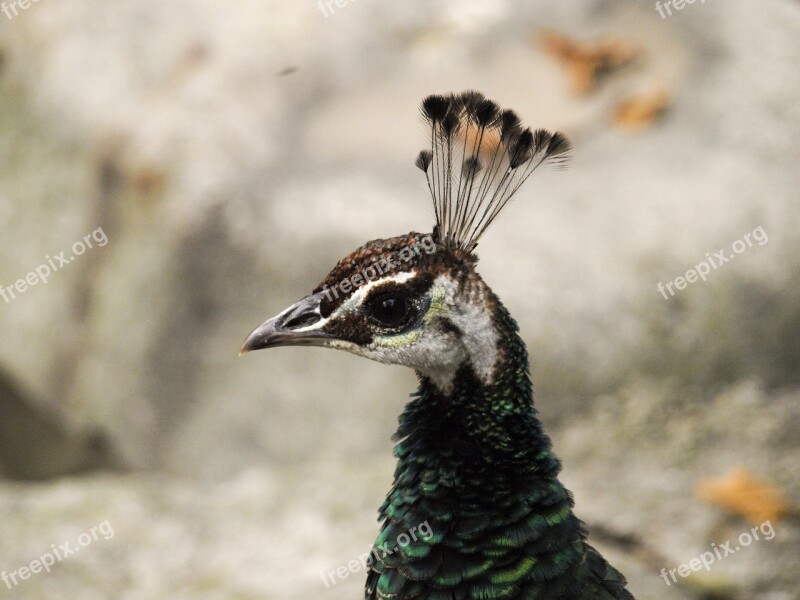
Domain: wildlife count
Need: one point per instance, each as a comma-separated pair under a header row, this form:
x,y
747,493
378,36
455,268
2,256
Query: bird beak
x,y
299,325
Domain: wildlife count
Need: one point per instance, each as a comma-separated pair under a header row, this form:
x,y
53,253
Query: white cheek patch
x,y
481,339
478,333
438,358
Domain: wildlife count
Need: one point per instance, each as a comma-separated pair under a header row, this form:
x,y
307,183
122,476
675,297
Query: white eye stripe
x,y
356,300
360,295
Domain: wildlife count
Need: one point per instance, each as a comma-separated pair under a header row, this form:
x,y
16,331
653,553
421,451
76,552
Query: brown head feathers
x,y
479,157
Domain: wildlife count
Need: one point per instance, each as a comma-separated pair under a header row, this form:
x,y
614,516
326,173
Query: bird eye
x,y
389,310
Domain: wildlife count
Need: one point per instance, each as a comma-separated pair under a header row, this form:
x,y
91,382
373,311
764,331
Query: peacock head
x,y
416,299
406,300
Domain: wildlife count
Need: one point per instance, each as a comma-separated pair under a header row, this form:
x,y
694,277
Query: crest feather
x,y
479,157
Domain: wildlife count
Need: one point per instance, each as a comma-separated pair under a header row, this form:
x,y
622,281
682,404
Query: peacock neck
x,y
476,475
478,444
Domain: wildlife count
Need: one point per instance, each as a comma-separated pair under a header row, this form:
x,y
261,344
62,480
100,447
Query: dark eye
x,y
389,310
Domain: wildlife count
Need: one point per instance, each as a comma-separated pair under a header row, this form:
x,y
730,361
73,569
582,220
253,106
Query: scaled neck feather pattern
x,y
490,414
476,467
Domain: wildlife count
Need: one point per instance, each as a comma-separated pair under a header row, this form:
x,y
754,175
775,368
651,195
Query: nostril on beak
x,y
301,318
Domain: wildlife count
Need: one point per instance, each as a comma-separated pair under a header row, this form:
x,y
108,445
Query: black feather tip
x,y
424,160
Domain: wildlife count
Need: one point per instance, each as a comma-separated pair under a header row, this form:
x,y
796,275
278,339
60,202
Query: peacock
x,y
476,509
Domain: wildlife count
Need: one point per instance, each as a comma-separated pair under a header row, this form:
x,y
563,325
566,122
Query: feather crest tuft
x,y
479,157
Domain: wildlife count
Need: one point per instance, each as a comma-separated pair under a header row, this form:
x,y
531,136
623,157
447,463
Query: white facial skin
x,y
434,352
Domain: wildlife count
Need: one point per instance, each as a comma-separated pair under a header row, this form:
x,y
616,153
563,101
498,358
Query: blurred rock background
x,y
233,152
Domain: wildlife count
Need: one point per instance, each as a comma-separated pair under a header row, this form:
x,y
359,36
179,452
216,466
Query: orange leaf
x,y
742,493
641,111
587,61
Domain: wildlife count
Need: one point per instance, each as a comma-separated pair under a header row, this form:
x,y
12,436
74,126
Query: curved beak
x,y
299,325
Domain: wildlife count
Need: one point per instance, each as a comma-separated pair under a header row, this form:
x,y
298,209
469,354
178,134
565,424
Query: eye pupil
x,y
389,310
